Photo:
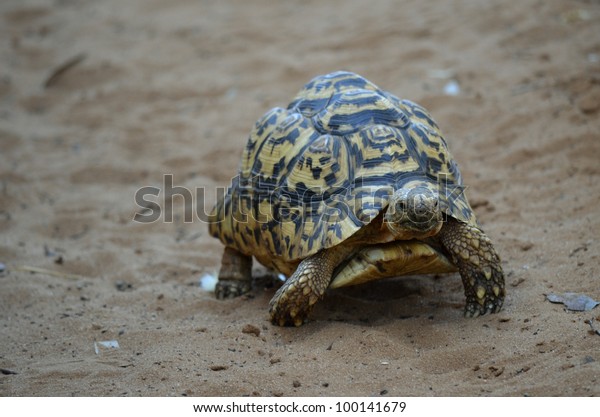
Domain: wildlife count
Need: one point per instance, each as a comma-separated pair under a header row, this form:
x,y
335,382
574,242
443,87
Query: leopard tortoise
x,y
346,185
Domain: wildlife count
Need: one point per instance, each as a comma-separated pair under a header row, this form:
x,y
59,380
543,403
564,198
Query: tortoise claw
x,y
231,288
288,307
293,302
474,309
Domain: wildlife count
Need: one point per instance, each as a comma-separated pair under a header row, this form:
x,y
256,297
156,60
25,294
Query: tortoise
x,y
348,184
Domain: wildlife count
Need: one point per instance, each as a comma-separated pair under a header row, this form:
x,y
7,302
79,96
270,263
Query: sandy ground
x,y
173,87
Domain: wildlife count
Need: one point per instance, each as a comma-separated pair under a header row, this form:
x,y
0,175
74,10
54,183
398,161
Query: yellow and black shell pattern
x,y
315,173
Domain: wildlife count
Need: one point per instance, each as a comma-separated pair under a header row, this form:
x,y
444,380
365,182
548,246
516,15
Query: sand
x,y
101,98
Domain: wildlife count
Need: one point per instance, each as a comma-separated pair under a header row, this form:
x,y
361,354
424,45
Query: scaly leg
x,y
479,265
293,302
235,274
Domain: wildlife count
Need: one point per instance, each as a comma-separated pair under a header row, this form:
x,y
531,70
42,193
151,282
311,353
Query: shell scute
x,y
349,111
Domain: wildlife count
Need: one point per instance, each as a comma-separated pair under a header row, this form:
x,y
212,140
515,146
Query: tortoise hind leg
x,y
235,274
479,265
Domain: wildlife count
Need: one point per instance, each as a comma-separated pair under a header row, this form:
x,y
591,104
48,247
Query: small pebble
x,y
589,103
250,329
105,346
525,246
517,282
452,88
123,286
7,372
208,282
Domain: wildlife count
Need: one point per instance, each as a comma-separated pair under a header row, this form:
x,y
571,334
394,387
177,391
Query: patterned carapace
x,y
315,173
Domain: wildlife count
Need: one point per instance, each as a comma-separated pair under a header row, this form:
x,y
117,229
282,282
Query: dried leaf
x,y
59,71
573,301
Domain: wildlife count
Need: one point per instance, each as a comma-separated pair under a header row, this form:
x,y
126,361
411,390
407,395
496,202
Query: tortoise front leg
x,y
235,274
479,265
293,302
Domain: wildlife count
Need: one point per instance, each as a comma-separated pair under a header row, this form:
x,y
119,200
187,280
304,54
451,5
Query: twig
x,y
36,270
62,68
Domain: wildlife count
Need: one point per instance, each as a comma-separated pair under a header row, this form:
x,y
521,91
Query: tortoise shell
x,y
314,174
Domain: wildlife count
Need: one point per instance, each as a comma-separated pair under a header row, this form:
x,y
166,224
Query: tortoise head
x,y
414,213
